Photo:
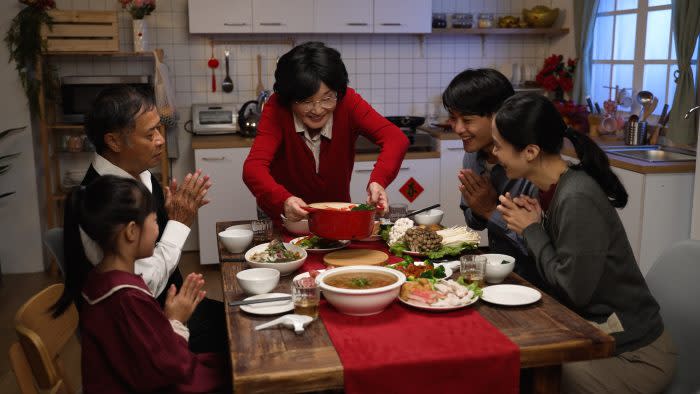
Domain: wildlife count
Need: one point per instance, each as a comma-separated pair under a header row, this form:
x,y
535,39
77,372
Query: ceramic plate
x,y
438,308
268,308
448,270
371,238
304,275
341,246
510,295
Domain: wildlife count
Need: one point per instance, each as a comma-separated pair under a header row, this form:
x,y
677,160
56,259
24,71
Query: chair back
x,y
54,243
673,280
42,337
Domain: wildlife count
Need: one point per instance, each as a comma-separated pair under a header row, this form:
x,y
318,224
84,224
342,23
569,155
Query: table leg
x,y
546,380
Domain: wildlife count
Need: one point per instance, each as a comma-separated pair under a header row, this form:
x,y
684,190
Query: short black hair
x,y
477,92
300,72
115,109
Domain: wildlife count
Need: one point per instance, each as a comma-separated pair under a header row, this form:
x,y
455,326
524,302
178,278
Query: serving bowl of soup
x,y
361,290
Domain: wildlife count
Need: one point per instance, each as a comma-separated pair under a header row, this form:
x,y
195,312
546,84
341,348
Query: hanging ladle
x,y
227,85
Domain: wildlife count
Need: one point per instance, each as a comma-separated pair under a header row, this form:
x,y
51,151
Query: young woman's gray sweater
x,y
582,251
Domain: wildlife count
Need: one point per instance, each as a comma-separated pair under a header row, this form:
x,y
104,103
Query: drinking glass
x,y
262,230
473,269
397,211
306,296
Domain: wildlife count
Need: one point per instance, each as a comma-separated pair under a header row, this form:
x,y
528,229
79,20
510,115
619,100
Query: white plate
x,y
344,244
510,295
439,308
305,275
448,270
268,308
371,238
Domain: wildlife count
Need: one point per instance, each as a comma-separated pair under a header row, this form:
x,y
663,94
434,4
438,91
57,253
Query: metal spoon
x,y
227,85
644,97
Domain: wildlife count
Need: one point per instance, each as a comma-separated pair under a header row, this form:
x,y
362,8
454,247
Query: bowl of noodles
x,y
284,257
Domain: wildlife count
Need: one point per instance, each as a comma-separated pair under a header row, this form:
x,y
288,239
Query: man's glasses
x,y
327,102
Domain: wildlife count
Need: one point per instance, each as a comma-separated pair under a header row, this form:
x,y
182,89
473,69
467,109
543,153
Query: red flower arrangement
x,y
555,76
40,4
576,116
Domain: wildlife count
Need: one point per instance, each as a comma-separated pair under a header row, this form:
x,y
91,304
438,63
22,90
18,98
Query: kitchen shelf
x,y
66,126
108,54
547,32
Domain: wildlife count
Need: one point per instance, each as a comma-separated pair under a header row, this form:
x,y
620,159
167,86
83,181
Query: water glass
x,y
397,211
473,269
306,296
262,229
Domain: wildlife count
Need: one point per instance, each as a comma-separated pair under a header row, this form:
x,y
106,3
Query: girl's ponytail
x,y
596,164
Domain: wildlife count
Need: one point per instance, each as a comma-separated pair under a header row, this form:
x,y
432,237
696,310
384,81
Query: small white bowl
x,y
236,240
361,302
300,228
258,280
433,216
496,271
284,268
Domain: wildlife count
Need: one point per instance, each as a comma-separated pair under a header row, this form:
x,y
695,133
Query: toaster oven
x,y
210,119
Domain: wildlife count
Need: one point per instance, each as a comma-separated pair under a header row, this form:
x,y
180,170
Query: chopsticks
x,y
244,302
422,210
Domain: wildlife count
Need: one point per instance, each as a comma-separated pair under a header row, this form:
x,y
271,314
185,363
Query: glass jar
x,y
439,20
485,20
462,21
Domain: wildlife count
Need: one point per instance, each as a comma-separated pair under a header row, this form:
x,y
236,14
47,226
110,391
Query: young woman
x,y
580,247
304,151
129,344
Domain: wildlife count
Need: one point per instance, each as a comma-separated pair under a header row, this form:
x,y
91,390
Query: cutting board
x,y
346,257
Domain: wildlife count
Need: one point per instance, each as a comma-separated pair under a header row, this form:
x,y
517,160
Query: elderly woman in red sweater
x,y
304,151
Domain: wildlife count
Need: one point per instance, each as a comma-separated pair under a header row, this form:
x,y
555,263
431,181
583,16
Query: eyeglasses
x,y
327,102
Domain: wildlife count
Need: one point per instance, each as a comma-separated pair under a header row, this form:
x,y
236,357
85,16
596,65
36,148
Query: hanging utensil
x,y
213,64
260,88
227,85
644,98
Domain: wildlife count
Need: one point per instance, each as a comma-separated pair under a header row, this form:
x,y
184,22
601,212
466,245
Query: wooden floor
x,y
15,289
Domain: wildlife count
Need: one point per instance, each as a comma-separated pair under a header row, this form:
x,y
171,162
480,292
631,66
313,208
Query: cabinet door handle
x,y
390,24
214,158
460,148
235,24
404,168
357,24
271,23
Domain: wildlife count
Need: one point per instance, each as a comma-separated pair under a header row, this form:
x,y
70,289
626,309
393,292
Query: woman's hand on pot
x,y
377,195
293,209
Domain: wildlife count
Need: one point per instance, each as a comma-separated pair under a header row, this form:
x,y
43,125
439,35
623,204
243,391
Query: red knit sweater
x,y
280,165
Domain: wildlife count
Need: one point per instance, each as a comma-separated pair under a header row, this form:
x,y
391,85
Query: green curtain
x,y
686,28
584,21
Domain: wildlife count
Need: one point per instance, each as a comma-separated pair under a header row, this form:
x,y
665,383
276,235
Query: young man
x,y
123,125
472,98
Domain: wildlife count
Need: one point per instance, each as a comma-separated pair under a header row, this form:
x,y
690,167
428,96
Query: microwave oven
x,y
78,92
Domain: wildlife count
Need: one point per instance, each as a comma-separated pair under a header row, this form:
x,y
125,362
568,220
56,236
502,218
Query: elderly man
x,y
123,125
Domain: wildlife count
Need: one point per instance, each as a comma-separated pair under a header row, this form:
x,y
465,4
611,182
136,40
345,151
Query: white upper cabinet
x,y
288,16
220,16
402,16
343,16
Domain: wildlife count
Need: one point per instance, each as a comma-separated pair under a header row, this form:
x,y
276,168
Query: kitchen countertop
x,y
630,164
223,141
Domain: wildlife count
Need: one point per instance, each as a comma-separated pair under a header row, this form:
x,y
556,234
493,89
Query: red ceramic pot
x,y
334,221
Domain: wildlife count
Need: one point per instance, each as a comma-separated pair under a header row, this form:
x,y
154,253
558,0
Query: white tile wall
x,y
397,74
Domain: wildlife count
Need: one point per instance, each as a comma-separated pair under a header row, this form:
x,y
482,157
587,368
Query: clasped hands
x,y
519,212
376,194
182,202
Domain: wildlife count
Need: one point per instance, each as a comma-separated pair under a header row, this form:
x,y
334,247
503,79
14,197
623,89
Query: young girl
x,y
130,344
580,247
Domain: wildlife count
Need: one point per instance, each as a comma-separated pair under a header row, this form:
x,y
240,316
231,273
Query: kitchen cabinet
x,y
289,16
402,16
229,198
657,212
422,170
342,16
220,16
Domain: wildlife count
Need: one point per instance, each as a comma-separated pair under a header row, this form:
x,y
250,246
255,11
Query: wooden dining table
x,y
277,360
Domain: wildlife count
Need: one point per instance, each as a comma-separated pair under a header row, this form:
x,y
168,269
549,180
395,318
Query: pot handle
x,y
310,209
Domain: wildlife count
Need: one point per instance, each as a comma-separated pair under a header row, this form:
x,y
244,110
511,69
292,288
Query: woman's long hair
x,y
100,209
531,119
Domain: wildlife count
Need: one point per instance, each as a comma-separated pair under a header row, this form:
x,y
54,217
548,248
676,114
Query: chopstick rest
x,y
291,321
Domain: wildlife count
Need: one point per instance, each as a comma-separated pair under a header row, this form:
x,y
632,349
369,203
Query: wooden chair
x,y
41,339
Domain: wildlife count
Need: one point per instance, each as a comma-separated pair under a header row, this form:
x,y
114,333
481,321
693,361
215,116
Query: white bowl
x,y
496,271
284,268
236,240
361,302
258,280
433,216
300,228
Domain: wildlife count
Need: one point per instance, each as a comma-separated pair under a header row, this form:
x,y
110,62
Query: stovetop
x,y
420,141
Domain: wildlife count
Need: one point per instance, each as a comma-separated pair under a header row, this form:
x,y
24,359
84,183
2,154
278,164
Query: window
x,y
620,59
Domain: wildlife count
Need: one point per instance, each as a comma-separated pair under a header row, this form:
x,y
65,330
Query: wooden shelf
x,y
66,126
109,54
548,32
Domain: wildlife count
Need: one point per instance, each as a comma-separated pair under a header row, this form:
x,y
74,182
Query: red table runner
x,y
405,350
